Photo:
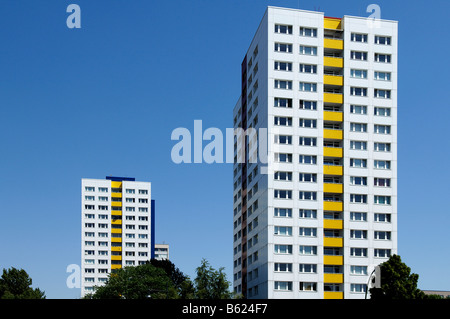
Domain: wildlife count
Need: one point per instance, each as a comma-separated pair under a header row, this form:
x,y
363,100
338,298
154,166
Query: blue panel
x,y
120,179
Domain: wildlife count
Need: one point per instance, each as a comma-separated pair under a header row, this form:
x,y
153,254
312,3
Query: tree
x,y
140,282
16,284
211,283
397,281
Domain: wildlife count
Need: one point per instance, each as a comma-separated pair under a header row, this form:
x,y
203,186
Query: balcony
x,y
333,62
116,257
333,188
333,260
333,80
333,242
332,170
333,98
116,184
332,134
333,223
333,278
332,152
337,44
116,204
117,195
333,206
116,239
118,248
333,295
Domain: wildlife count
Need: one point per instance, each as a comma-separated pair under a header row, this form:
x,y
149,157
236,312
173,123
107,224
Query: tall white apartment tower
x,y
117,227
315,218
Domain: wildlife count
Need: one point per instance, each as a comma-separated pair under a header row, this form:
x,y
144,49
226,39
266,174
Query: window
x,y
382,147
282,102
358,216
358,198
282,212
358,252
129,200
383,58
282,121
89,207
102,207
103,189
382,200
308,87
308,123
379,164
357,91
307,141
382,218
382,235
308,68
283,139
308,286
360,74
382,94
358,127
282,194
308,177
385,40
358,162
303,195
308,232
382,253
89,198
143,191
382,76
308,105
307,268
282,230
382,111
358,180
283,47
358,37
283,84
308,159
283,249
358,109
282,267
308,50
129,209
103,198
358,55
283,157
382,129
308,213
283,66
358,145
358,270
130,191
89,189
282,176
284,29
308,250
358,234
308,32
358,288
283,285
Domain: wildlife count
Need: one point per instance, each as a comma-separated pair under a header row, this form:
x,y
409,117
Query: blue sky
x,y
104,99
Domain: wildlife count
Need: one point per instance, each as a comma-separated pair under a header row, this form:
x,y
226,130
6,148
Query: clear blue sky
x,y
104,99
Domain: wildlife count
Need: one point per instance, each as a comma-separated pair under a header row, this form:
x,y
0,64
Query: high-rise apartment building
x,y
117,224
315,220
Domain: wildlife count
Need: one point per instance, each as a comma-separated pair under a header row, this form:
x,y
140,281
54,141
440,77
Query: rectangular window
x,y
89,207
282,121
358,216
382,129
358,37
308,286
303,195
308,177
379,164
308,213
103,189
360,74
358,180
307,141
382,235
283,157
382,200
382,58
308,87
307,268
89,189
358,145
308,68
358,234
384,40
282,102
358,198
358,127
308,105
382,111
358,55
130,191
283,139
308,50
282,212
283,84
308,232
283,66
282,267
283,29
283,176
382,147
382,76
308,250
143,191
382,218
358,109
89,198
358,252
308,123
308,32
358,288
358,162
382,94
283,249
382,253
308,159
283,285
282,230
282,194
283,47
358,91
358,270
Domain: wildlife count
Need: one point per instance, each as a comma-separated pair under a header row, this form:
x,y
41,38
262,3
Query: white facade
x,y
116,224
287,234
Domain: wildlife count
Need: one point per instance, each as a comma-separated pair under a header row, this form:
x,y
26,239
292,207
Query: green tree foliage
x,y
397,281
16,284
211,283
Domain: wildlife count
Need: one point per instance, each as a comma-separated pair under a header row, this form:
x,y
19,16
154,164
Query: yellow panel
x,y
332,152
116,266
333,206
116,230
332,170
116,248
332,188
116,184
333,295
333,242
333,260
333,62
116,213
333,278
332,134
333,98
333,80
116,222
116,257
334,24
333,223
116,204
116,195
333,116
116,239
333,44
